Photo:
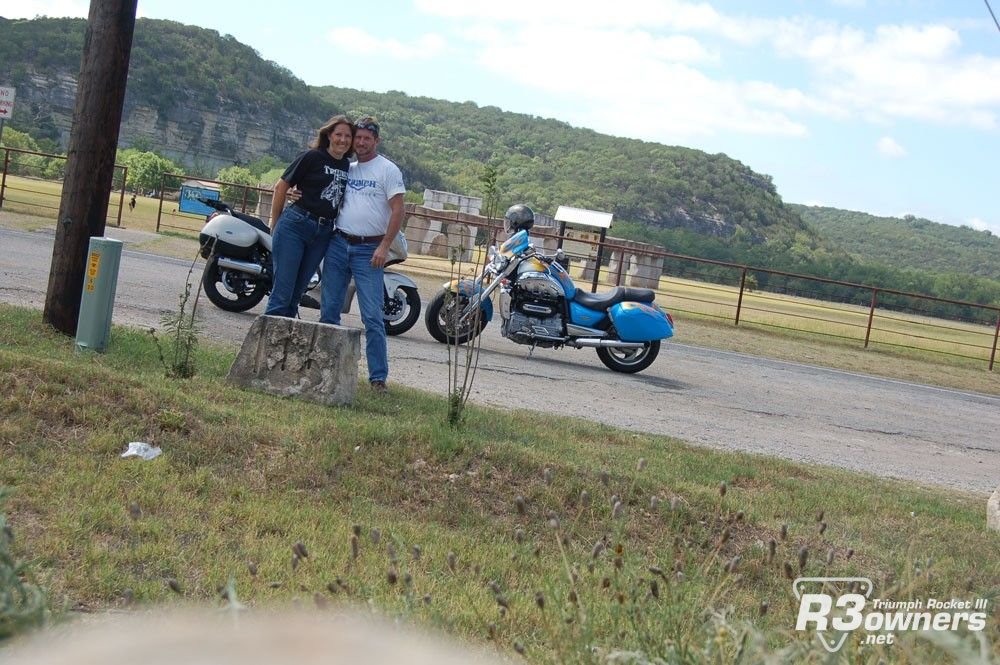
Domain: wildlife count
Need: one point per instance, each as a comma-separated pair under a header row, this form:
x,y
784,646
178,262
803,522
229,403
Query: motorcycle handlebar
x,y
214,203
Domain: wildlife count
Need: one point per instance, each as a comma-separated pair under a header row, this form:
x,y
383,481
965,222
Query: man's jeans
x,y
344,260
298,246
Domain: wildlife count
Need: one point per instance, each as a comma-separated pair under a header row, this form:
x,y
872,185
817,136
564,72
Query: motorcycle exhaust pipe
x,y
593,342
241,266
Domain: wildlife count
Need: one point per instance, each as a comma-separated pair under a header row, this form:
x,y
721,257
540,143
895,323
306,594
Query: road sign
x,y
6,103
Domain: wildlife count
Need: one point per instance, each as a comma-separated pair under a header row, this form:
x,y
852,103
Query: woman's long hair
x,y
322,141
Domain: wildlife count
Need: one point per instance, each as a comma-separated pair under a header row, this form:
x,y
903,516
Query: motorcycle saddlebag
x,y
223,248
639,322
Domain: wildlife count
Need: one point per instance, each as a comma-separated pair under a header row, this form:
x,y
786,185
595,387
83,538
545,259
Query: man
x,y
371,216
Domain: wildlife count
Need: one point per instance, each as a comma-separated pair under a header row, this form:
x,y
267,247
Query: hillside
x,y
205,100
908,242
197,97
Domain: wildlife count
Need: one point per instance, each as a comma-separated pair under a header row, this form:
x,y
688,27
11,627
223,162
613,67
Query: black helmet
x,y
518,217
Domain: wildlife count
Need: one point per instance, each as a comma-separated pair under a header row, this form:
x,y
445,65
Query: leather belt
x,y
357,240
316,218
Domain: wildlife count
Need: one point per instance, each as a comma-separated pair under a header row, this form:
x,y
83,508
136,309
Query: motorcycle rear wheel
x,y
629,361
230,290
439,312
408,301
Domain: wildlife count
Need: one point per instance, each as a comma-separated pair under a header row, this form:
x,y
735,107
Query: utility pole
x,y
90,162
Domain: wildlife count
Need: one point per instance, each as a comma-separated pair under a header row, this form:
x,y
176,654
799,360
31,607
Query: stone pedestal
x,y
993,511
420,233
294,358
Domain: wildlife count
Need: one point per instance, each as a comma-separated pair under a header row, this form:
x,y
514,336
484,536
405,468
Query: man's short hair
x,y
369,123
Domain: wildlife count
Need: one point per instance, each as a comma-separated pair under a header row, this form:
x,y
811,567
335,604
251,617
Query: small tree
x,y
233,193
462,365
144,169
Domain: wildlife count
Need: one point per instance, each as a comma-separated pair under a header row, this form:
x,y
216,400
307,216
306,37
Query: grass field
x,y
564,540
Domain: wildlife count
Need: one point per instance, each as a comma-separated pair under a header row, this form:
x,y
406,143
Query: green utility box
x,y
104,256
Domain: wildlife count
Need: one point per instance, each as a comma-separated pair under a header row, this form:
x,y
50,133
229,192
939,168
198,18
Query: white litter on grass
x,y
143,450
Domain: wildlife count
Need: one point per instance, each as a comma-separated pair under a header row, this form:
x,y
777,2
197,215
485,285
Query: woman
x,y
302,230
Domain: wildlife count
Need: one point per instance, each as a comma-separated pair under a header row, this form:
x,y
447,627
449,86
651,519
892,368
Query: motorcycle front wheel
x,y
440,319
231,290
402,309
629,361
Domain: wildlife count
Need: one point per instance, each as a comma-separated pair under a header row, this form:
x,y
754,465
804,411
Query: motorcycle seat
x,y
602,301
252,221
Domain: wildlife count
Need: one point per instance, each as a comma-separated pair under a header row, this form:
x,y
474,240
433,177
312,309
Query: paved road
x,y
719,399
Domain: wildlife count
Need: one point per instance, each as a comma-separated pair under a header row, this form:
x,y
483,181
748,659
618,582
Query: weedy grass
x,y
557,539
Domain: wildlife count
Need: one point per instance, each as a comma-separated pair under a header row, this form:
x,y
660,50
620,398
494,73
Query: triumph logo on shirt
x,y
360,183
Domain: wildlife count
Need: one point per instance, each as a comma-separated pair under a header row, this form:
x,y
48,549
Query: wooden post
x,y
90,161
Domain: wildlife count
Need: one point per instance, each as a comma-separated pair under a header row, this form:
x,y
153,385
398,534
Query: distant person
x,y
302,230
131,203
370,220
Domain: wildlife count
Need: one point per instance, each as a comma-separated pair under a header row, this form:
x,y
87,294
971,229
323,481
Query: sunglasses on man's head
x,y
370,126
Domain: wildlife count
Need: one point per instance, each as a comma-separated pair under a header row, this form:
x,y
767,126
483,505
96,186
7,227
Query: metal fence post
x,y
3,180
739,299
159,210
121,197
871,315
996,333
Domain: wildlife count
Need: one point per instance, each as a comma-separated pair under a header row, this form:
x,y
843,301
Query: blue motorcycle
x,y
540,305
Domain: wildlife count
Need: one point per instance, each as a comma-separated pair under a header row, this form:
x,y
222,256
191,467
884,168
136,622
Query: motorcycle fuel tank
x,y
516,244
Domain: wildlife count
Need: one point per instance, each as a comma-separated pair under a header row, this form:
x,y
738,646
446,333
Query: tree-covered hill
x,y
207,101
176,69
908,242
545,163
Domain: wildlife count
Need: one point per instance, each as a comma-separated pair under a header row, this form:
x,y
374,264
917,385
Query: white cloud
x,y
888,147
361,42
651,80
898,72
646,14
652,52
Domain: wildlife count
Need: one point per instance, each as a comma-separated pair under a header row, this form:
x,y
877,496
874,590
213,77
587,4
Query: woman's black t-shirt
x,y
321,178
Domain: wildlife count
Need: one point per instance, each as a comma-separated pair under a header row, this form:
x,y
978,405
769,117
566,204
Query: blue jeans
x,y
298,246
344,260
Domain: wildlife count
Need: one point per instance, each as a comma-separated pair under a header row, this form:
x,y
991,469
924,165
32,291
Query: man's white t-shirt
x,y
370,185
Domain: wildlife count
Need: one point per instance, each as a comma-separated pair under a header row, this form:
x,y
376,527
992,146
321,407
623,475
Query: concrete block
x,y
295,358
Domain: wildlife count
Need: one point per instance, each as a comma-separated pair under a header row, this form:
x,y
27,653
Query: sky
x,y
890,107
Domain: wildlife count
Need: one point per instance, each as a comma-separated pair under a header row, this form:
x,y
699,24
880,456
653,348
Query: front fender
x,y
470,288
395,280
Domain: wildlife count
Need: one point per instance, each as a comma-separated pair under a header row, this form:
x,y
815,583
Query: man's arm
x,y
395,223
278,201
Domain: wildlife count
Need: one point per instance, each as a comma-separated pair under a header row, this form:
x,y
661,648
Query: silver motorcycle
x,y
239,271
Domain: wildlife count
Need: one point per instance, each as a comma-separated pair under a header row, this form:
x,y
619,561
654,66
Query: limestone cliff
x,y
187,135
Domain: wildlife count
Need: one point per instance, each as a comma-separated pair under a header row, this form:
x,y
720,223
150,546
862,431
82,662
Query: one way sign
x,y
6,103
